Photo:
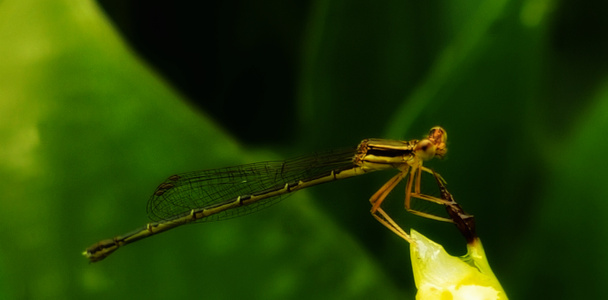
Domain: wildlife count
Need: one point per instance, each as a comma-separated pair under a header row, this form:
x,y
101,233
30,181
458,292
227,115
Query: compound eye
x,y
425,149
439,138
438,135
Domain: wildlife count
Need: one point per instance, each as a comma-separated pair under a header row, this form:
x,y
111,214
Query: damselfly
x,y
224,193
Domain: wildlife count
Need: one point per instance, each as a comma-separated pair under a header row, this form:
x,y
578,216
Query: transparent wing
x,y
181,193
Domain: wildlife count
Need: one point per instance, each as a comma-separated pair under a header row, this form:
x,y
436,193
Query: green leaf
x,y
89,132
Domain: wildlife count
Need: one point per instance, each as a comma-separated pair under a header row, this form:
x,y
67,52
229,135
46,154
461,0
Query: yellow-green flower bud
x,y
439,275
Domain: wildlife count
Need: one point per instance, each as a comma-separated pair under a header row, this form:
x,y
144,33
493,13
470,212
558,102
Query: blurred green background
x,y
100,102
